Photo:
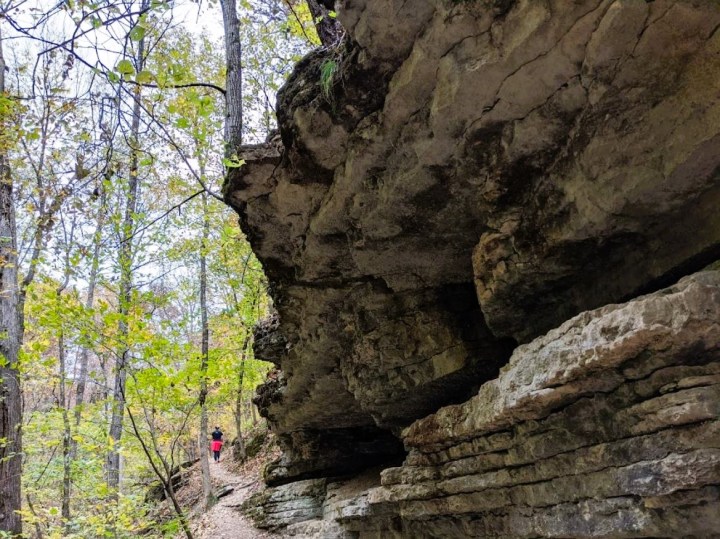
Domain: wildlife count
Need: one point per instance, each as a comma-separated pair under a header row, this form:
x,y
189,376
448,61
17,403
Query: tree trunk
x,y
125,259
67,450
10,340
328,28
240,452
89,302
67,434
204,356
238,411
233,78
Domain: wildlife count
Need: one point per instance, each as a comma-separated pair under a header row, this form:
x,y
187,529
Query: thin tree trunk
x,y
238,410
84,354
89,302
204,355
64,403
44,227
240,452
38,528
233,78
10,340
67,434
126,283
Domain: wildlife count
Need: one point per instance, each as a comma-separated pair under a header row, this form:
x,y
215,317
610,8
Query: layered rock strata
x,y
475,173
608,426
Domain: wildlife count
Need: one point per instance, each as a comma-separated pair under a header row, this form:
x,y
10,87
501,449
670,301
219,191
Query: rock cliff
x,y
474,174
607,426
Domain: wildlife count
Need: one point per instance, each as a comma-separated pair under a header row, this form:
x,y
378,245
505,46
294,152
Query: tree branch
x,y
162,216
173,86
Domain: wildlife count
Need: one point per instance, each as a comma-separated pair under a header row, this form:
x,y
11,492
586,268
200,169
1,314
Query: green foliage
x,y
301,24
327,73
270,46
137,33
233,162
162,387
10,111
145,77
70,148
125,67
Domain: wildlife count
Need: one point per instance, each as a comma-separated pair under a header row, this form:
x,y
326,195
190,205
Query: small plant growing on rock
x,y
327,74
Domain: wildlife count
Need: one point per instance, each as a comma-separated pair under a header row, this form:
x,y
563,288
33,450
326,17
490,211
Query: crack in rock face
x,y
477,173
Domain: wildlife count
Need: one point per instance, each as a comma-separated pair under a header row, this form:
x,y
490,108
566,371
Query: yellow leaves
x,y
301,25
10,112
29,518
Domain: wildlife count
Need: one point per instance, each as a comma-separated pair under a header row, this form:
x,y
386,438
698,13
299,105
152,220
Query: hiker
x,y
216,444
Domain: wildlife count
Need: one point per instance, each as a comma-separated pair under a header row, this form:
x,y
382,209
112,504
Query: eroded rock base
x,y
608,426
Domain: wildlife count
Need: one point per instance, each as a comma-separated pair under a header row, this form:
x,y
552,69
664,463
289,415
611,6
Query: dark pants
x,y
216,456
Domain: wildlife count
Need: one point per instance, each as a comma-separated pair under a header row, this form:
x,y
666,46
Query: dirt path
x,y
224,521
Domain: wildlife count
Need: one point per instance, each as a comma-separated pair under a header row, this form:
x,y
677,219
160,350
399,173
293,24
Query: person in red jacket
x,y
216,444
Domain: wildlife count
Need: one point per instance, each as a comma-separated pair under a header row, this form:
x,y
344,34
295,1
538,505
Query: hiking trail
x,y
224,520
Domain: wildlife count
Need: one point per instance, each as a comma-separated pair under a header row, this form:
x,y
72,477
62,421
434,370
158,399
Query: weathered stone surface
x,y
591,354
480,172
281,506
608,426
583,433
255,443
269,343
339,499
